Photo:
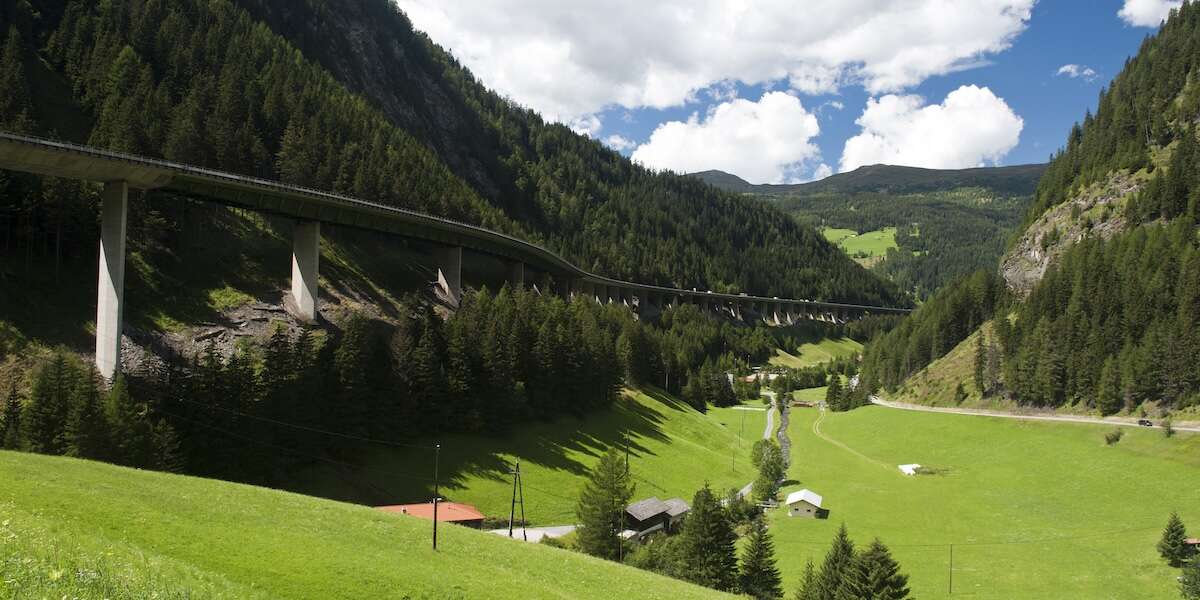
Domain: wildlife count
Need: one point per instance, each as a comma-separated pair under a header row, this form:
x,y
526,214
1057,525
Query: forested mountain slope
x,y
1016,180
1106,315
947,223
347,96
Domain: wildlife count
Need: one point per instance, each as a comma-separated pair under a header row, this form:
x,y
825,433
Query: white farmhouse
x,y
804,503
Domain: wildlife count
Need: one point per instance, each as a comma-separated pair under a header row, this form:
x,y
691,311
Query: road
x,y
535,534
979,412
745,491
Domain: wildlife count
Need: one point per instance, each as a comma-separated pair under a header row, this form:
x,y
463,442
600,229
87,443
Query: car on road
x,y
1145,423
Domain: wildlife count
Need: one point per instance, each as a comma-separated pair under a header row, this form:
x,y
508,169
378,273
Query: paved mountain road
x,y
979,412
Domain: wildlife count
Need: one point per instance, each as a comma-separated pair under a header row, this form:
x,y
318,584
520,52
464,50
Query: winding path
x,y
816,429
745,491
979,412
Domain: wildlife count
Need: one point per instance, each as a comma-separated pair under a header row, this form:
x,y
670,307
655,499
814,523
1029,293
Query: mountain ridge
x,y
1017,180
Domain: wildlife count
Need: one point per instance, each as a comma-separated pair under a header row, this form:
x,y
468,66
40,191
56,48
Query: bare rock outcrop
x,y
1097,211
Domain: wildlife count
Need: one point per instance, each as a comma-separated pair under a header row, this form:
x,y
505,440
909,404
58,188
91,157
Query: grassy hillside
x,y
1034,510
816,352
866,248
75,528
673,450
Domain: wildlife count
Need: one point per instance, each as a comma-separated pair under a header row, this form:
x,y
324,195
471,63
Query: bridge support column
x,y
449,262
516,274
306,259
110,297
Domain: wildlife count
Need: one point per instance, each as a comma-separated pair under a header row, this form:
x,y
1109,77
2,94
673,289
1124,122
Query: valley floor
x,y
1033,509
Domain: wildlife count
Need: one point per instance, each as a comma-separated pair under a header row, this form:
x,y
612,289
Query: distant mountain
x,y
1017,180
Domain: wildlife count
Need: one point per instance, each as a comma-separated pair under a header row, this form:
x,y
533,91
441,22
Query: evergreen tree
x,y
1189,581
875,576
808,583
771,470
1108,390
759,577
1173,546
132,436
10,426
708,547
601,507
50,402
837,568
87,428
980,364
833,393
15,105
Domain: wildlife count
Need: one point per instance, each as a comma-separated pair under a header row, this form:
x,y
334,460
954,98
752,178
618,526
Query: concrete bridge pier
x,y
449,276
306,258
516,274
110,297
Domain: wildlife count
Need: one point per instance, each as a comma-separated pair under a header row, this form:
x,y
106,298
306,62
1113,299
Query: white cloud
x,y
567,59
837,105
768,141
971,127
588,125
1077,71
619,143
1147,13
821,172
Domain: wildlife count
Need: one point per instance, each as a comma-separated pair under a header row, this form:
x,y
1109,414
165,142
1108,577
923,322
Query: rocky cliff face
x,y
1097,211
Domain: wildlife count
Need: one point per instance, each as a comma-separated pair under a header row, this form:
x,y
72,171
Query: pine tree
x,y
1108,390
601,507
133,441
759,577
833,393
876,576
87,427
708,543
1189,582
837,566
808,583
15,105
50,401
1173,545
980,364
10,426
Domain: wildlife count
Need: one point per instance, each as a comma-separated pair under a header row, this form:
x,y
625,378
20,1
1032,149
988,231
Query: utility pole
x,y
512,510
951,568
437,455
521,487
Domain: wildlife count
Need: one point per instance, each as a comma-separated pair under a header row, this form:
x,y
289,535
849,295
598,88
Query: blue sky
x,y
772,91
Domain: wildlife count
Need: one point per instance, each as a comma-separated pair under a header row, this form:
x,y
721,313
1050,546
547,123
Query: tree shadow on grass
x,y
569,444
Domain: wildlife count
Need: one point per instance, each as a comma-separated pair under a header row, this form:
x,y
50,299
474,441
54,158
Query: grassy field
x,y
1034,510
816,352
866,248
673,450
79,529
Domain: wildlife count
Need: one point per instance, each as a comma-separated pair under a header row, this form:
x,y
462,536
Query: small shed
x,y
911,469
447,512
677,509
804,503
647,516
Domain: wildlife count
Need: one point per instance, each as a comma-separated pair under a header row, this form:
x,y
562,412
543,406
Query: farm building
x,y
804,503
652,514
447,512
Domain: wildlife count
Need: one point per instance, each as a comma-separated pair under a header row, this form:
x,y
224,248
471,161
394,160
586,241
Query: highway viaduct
x,y
311,208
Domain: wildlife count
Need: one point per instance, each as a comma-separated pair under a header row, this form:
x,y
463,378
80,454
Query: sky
x,y
785,92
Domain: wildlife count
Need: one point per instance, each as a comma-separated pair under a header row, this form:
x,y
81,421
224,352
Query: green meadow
x,y
816,352
866,248
673,450
79,529
1033,509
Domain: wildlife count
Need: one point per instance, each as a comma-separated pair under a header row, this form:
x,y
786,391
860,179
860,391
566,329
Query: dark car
x,y
1145,423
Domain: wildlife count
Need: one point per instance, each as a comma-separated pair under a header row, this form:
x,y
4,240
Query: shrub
x,y
1113,436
